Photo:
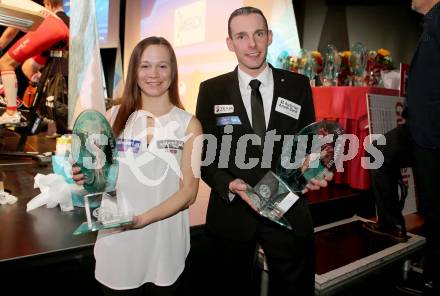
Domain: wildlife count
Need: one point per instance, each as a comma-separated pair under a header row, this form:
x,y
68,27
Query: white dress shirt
x,y
266,90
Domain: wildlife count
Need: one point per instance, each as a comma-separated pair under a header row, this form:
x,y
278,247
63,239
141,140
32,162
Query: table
x,y
38,232
348,106
37,248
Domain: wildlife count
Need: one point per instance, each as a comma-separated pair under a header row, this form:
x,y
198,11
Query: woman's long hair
x,y
131,98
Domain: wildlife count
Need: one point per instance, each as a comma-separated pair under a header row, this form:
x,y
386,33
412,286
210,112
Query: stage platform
x,y
346,252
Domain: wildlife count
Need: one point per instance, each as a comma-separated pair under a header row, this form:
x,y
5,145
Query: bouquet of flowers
x,y
317,57
379,60
296,64
311,63
344,69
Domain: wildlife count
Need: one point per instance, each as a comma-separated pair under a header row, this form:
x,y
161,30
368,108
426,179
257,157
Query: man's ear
x,y
269,37
230,44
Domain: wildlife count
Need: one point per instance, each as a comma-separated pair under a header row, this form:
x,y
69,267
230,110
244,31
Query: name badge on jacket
x,y
288,108
221,109
228,120
128,144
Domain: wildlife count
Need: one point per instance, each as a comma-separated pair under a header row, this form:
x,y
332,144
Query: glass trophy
x,y
358,63
301,61
332,63
282,60
113,211
310,68
95,152
311,154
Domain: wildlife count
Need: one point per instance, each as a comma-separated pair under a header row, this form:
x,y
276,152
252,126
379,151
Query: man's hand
x,y
316,184
238,186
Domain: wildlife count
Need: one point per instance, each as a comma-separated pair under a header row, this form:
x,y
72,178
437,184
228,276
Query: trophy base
x,y
272,198
110,217
280,221
95,226
329,82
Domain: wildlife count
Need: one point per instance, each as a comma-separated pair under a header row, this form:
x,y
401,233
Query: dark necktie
x,y
258,121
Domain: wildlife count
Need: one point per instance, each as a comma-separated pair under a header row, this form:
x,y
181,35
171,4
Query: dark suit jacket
x,y
236,220
423,92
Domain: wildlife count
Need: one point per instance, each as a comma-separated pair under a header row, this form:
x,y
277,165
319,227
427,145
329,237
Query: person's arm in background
x,y
8,35
218,179
189,185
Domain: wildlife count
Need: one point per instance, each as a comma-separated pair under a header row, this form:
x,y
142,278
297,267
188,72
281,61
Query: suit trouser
x,y
290,260
400,152
397,154
427,173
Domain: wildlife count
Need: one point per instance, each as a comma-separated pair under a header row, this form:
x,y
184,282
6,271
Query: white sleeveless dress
x,y
148,175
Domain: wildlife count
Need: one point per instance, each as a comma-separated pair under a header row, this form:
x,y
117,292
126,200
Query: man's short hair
x,y
246,10
54,2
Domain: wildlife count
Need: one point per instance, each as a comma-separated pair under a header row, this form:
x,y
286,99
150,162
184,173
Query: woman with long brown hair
x,y
159,159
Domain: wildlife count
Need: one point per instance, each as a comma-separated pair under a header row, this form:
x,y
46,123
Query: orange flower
x,y
346,54
383,52
316,54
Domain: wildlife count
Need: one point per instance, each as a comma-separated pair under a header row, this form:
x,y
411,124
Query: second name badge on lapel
x,y
288,108
221,109
228,120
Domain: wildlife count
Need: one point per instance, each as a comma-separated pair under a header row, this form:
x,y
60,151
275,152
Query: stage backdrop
x,y
198,31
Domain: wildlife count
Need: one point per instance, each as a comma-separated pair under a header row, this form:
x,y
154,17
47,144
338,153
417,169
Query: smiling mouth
x,y
253,54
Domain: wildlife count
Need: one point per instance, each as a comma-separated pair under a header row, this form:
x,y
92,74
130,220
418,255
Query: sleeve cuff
x,y
231,196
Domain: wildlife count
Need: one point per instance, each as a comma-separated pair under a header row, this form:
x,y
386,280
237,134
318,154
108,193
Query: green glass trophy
x,y
95,152
332,63
358,63
314,151
310,69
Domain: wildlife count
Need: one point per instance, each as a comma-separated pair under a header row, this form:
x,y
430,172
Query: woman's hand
x,y
77,176
140,221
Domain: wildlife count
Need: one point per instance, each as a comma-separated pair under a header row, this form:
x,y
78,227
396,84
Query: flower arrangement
x,y
383,57
317,57
379,60
295,64
344,69
307,62
345,59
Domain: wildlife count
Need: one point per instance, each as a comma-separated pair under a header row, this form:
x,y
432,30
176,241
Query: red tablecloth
x,y
348,106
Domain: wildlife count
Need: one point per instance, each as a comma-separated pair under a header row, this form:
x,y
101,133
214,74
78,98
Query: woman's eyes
x,y
146,66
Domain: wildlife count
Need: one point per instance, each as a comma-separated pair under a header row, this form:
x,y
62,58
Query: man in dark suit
x,y
417,144
243,109
423,98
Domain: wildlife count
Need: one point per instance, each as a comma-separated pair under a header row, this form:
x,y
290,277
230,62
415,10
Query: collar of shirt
x,y
266,90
